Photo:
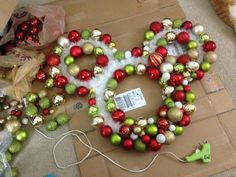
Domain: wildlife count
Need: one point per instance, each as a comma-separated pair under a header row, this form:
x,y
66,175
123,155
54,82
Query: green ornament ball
x,y
149,35
93,111
129,121
14,172
31,110
178,130
119,55
179,88
115,139
192,44
151,130
161,42
49,83
112,84
58,50
204,37
31,97
51,125
68,60
44,103
139,145
15,147
85,34
62,118
190,97
129,69
205,66
70,88
177,23
98,51
110,106
169,102
178,67
8,156
174,114
21,135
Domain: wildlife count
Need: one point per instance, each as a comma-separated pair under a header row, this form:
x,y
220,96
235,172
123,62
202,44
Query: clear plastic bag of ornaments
x,y
35,26
5,141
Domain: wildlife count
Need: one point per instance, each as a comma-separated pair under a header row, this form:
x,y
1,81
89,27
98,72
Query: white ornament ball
x,y
172,128
198,29
25,121
185,82
178,104
161,138
166,76
63,41
133,136
128,54
150,120
166,68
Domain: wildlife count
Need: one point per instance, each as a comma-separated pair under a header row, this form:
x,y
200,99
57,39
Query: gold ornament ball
x,y
193,53
210,57
170,37
174,114
140,69
88,48
170,137
73,69
12,125
171,59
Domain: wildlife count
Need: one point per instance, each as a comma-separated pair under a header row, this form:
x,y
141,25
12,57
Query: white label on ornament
x,y
130,100
176,50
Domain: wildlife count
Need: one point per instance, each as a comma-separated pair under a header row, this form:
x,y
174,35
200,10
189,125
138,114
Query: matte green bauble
x,y
169,102
15,147
192,44
31,110
171,59
115,139
110,106
161,42
177,23
58,50
129,69
62,118
44,103
205,66
139,145
85,34
112,84
70,88
8,156
21,135
179,88
129,121
190,97
68,60
51,125
93,111
119,55
178,130
174,114
14,172
149,35
151,129
31,97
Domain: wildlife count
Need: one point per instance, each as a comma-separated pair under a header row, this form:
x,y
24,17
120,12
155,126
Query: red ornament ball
x,y
24,26
162,51
16,112
187,88
76,51
161,111
102,60
74,36
33,30
60,81
155,59
46,112
183,37
82,91
118,115
161,131
187,25
34,21
53,59
125,130
154,145
41,75
156,27
209,46
199,74
178,96
20,35
119,75
146,139
176,79
136,52
106,38
127,144
183,59
106,131
92,102
185,121
153,73
163,124
85,75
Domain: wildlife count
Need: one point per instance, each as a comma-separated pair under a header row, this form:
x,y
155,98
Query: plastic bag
x,y
5,141
52,17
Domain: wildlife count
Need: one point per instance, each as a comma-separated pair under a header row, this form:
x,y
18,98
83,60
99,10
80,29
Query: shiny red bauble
x,y
127,144
106,38
33,30
199,74
34,21
24,26
60,81
30,38
20,35
92,102
146,139
106,131
82,91
153,73
102,60
85,75
74,36
53,59
178,96
176,79
76,51
154,145
183,59
136,52
183,37
16,112
119,75
185,121
187,25
209,46
46,112
41,75
118,115
163,123
162,51
125,130
161,131
156,27
187,88
155,59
